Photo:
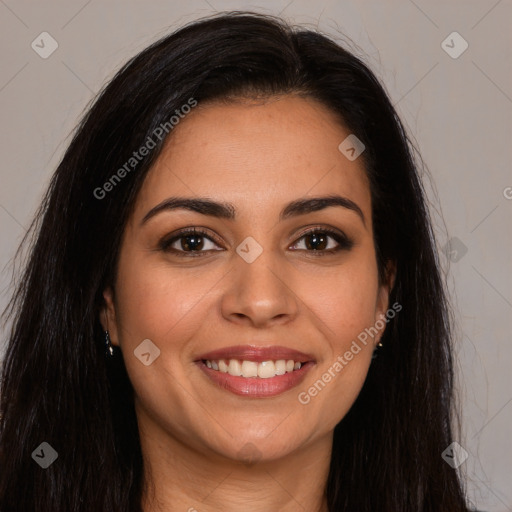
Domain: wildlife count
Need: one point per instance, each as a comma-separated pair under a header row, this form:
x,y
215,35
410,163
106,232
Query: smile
x,y
256,372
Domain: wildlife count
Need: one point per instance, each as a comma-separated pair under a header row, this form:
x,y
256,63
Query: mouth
x,y
256,371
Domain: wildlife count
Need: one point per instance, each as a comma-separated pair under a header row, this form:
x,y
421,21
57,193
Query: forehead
x,y
256,153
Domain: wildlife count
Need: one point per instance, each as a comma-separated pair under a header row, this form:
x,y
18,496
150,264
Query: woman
x,y
233,300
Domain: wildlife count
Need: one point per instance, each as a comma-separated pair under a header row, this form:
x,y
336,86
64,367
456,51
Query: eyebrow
x,y
227,211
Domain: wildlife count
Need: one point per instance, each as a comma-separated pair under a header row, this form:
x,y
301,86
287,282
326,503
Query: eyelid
x,y
319,228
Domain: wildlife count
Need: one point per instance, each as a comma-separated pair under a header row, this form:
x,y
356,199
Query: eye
x,y
193,242
189,242
322,240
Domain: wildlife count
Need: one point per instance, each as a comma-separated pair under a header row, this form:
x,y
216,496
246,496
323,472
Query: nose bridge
x,y
258,292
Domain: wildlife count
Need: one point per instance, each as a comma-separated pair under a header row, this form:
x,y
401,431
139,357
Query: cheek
x,y
345,301
155,301
167,306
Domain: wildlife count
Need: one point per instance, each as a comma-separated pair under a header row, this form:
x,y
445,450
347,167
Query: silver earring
x,y
108,344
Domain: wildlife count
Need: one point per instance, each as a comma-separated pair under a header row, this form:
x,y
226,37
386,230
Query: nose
x,y
258,294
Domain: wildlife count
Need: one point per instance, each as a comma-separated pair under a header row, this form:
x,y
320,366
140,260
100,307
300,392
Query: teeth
x,y
263,370
234,368
280,367
249,369
266,369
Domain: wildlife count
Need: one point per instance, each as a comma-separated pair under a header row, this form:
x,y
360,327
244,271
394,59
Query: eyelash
x,y
344,243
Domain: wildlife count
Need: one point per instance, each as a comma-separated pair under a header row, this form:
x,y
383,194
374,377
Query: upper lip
x,y
257,354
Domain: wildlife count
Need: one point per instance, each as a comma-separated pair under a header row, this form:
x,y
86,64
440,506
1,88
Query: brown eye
x,y
317,241
193,242
323,240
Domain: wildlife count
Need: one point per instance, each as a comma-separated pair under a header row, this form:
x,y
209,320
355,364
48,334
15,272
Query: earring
x,y
108,344
376,350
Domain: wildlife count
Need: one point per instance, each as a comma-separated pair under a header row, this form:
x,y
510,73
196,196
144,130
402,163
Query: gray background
x,y
459,110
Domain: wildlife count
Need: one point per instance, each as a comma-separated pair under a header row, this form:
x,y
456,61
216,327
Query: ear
x,y
108,316
383,299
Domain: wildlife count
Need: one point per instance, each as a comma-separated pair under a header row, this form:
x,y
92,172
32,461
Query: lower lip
x,y
256,387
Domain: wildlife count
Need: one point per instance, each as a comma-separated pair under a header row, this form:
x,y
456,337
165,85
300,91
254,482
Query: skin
x,y
258,155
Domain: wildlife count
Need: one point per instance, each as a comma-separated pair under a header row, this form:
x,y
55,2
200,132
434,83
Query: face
x,y
270,276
